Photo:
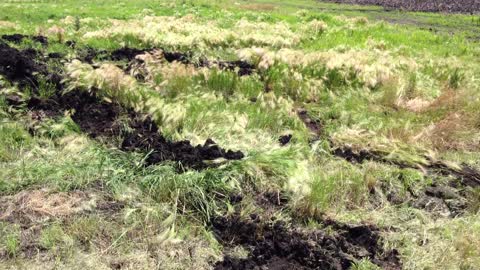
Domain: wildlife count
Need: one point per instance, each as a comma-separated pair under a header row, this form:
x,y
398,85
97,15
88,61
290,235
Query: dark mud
x,y
19,66
25,67
136,132
273,244
466,175
128,54
446,6
448,199
285,139
314,125
101,119
18,38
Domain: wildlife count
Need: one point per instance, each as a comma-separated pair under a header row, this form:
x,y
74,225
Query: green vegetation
x,y
382,114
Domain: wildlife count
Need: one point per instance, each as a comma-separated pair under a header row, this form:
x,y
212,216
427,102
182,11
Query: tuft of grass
x,y
10,238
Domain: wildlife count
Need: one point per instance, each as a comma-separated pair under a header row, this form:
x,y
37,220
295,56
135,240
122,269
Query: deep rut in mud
x,y
275,245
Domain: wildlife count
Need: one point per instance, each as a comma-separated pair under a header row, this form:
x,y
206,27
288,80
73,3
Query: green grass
x,y
397,89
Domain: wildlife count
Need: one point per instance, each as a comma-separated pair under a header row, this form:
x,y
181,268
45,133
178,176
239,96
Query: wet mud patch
x,y
98,118
25,67
272,244
285,139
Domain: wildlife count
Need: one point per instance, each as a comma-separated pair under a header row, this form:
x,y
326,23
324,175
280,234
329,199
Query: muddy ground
x,y
274,244
98,118
136,132
446,6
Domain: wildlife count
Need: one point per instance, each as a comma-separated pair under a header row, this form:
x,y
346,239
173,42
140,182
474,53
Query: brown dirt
x,y
446,6
273,244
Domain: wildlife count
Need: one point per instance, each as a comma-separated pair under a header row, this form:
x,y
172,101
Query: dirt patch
x,y
101,119
19,66
447,6
285,139
273,244
129,54
135,132
18,38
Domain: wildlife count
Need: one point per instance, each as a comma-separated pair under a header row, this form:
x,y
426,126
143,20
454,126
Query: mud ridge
x,y
26,66
18,38
100,119
242,68
449,200
273,244
315,126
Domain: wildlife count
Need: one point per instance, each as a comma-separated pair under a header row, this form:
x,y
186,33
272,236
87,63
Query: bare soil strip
x,y
100,119
446,6
273,244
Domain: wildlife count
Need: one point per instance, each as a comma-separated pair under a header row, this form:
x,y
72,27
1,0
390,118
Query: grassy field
x,y
243,134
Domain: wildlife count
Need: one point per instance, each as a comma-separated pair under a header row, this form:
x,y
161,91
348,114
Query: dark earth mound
x,y
137,132
26,67
448,6
18,38
285,139
448,199
275,245
101,119
241,67
314,125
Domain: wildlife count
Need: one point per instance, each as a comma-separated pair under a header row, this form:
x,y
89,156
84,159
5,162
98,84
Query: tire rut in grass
x,y
98,118
274,244
443,199
448,199
129,54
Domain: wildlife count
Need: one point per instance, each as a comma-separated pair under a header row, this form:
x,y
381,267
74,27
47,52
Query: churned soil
x,y
98,118
25,66
446,6
273,244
